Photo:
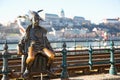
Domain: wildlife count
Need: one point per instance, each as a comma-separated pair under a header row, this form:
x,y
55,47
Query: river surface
x,y
72,44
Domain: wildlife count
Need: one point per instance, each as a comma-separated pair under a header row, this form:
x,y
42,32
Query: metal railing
x,y
64,52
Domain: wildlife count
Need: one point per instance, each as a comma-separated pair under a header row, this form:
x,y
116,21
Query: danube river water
x,y
72,44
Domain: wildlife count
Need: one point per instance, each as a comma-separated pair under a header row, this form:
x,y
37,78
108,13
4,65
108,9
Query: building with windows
x,y
80,20
53,19
113,20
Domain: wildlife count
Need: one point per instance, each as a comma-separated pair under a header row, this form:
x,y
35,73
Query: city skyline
x,y
92,10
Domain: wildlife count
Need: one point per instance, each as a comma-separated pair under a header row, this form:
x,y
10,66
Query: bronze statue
x,y
35,48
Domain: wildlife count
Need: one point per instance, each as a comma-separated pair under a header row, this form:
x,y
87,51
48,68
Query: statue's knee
x,y
30,59
52,57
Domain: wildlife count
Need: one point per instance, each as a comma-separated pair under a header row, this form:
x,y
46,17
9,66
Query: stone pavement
x,y
95,77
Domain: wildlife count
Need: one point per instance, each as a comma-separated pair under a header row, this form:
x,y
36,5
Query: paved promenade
x,y
95,77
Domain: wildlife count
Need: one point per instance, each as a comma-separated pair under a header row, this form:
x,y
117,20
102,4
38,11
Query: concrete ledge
x,y
95,77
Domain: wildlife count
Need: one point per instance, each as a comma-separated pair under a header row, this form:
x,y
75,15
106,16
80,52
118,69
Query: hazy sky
x,y
94,10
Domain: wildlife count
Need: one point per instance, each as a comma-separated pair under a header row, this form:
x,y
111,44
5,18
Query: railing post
x,y
112,69
90,57
64,74
75,45
5,63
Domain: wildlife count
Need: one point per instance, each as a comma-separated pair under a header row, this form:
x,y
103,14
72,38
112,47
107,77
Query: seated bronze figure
x,y
37,52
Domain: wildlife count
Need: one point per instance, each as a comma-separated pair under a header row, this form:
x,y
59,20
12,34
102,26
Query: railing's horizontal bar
x,y
85,51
